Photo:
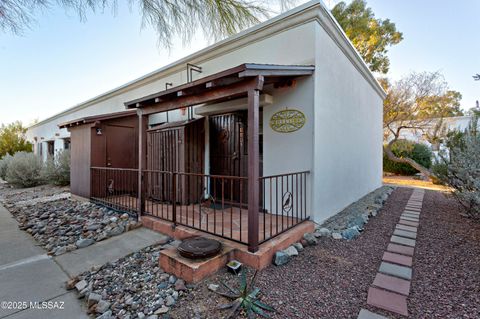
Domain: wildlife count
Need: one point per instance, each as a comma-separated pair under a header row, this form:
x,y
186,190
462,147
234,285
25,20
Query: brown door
x,y
228,155
120,153
120,146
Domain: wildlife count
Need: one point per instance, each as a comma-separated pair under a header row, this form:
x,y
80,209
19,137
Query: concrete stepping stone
x,y
387,300
414,205
411,219
405,233
365,314
396,270
400,249
409,212
414,209
405,227
397,259
411,215
402,241
393,284
408,223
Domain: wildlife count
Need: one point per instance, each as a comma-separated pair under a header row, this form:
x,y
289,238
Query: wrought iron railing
x,y
115,187
211,203
284,203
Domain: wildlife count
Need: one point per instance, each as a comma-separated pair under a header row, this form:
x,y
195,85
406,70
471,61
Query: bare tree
x,y
418,102
170,18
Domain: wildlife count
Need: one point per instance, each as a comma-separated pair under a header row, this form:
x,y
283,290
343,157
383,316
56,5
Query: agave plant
x,y
246,298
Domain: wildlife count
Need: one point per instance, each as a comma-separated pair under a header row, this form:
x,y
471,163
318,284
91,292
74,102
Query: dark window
x,y
66,143
51,148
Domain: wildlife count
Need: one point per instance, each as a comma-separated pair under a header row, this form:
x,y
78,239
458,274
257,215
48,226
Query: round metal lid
x,y
199,247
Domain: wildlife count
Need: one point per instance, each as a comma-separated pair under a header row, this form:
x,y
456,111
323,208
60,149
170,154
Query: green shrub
x,y
463,168
420,153
4,162
56,170
440,171
24,170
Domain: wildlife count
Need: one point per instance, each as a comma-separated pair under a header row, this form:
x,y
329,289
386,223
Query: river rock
x,y
280,258
84,242
310,239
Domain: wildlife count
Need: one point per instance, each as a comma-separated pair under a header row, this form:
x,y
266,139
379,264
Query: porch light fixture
x,y
99,130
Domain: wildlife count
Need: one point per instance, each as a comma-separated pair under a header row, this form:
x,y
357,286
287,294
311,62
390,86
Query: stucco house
x,y
276,125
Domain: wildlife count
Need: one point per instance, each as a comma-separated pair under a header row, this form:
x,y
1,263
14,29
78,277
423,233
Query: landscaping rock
x,y
180,285
350,233
281,258
162,310
213,287
105,315
92,299
169,301
291,251
323,232
60,250
337,236
298,246
84,242
82,284
61,225
102,306
356,221
310,239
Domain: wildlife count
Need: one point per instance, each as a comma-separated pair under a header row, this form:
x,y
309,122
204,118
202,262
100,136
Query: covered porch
x,y
206,172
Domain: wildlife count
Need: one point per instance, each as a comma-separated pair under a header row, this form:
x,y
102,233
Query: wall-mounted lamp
x,y
99,131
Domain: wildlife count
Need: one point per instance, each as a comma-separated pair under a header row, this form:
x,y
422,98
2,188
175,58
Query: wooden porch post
x,y
253,169
142,124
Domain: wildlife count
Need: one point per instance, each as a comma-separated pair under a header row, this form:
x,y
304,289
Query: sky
x,y
62,61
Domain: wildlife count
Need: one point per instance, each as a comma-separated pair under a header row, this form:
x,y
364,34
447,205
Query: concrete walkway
x,y
29,276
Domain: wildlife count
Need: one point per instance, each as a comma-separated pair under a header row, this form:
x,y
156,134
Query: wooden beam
x,y
216,94
142,135
253,169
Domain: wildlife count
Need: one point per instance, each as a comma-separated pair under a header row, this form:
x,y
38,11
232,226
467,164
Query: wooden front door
x,y
120,146
229,155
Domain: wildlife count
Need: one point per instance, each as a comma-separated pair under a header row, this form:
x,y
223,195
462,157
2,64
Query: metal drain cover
x,y
199,247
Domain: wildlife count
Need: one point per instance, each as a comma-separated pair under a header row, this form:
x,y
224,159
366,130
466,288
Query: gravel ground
x,y
131,287
63,225
11,195
446,276
330,280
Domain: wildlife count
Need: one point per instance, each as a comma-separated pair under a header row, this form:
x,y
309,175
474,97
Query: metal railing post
x,y
174,199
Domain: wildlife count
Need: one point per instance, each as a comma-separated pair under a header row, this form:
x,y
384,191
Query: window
x,y
66,143
51,148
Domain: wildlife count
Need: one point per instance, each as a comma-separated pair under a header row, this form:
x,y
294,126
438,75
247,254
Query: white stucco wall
x,y
347,134
341,141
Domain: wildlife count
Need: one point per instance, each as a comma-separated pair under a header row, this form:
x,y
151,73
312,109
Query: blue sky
x,y
61,61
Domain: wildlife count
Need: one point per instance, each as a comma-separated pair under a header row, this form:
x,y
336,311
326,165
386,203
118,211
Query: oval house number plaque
x,y
287,121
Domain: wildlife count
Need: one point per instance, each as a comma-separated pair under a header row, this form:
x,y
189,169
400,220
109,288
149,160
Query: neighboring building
x,y
320,117
456,123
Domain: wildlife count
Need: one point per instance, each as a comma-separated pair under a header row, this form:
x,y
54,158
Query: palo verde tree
x,y
370,36
179,18
12,139
417,102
